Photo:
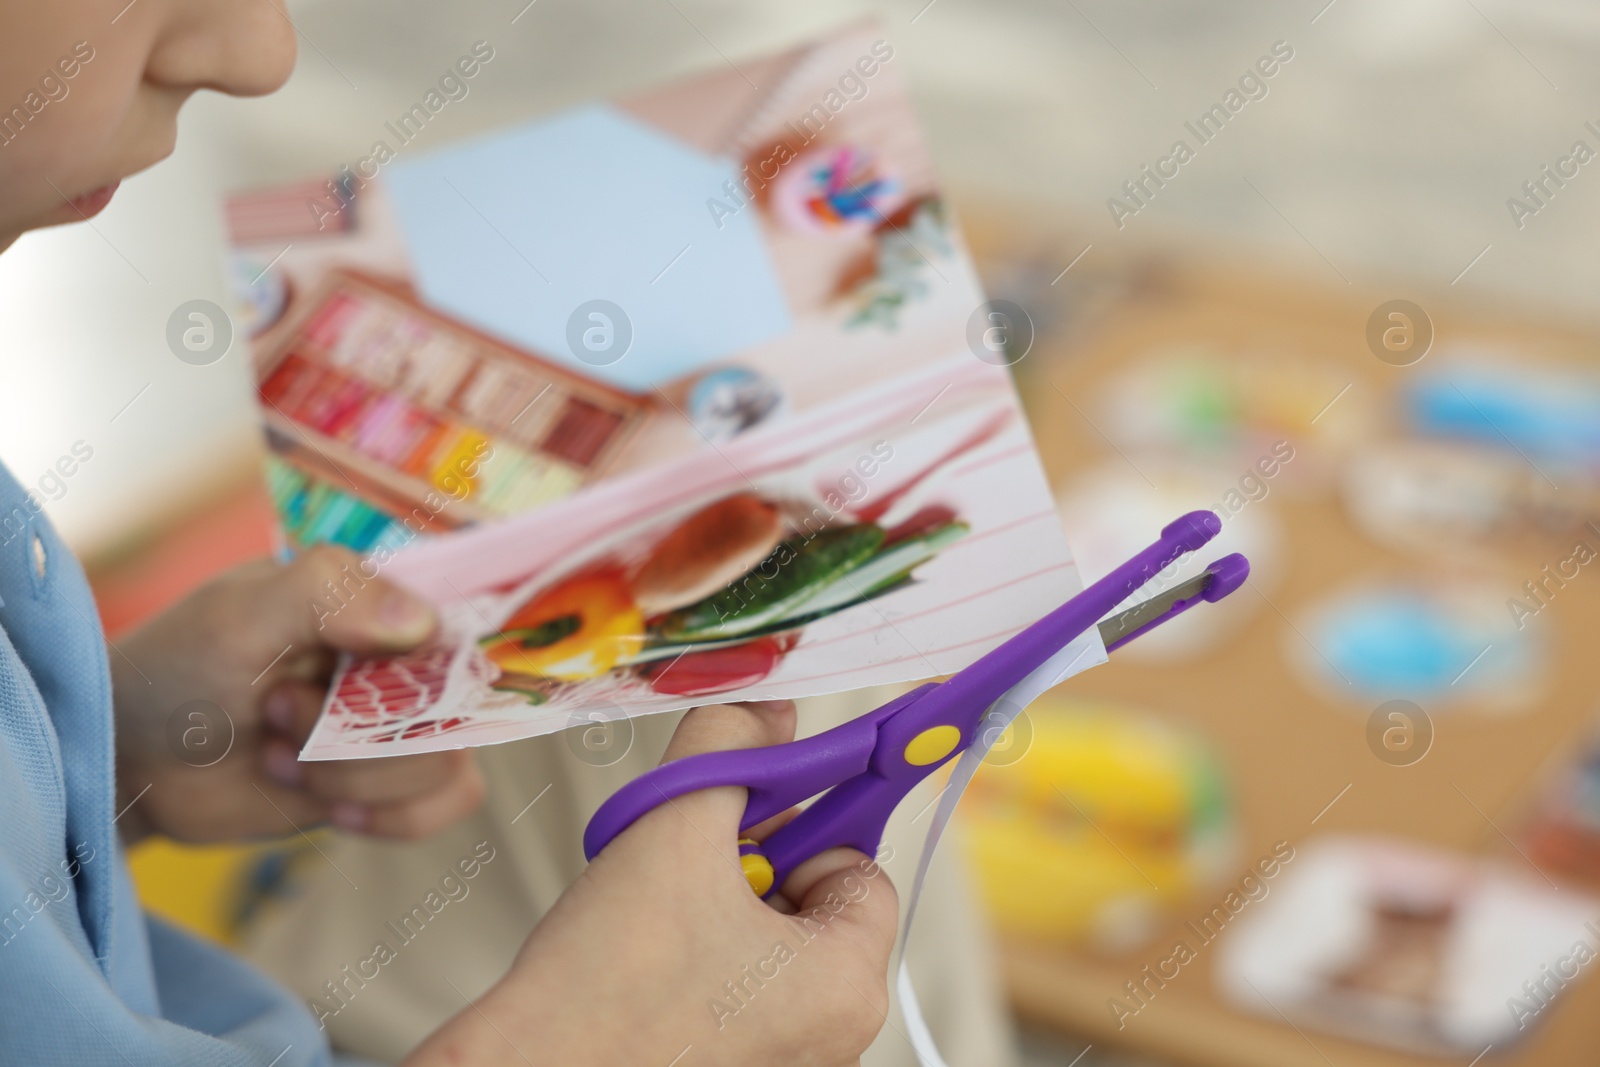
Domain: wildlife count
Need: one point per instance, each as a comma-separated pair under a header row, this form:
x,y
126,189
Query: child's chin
x,y
90,204
66,211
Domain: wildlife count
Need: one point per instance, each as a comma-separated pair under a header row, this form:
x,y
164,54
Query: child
x,y
618,972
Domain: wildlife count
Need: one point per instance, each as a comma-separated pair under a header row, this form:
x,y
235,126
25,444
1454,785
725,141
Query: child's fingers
x,y
844,889
331,596
443,786
813,879
289,810
367,781
765,829
417,817
291,708
849,914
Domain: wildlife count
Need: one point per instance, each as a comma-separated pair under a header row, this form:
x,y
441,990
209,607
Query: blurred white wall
x,y
1387,148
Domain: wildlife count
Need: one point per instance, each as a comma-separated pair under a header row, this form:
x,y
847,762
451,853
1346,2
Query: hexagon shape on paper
x,y
514,232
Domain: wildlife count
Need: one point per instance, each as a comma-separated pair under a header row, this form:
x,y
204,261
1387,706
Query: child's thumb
x,y
716,813
330,596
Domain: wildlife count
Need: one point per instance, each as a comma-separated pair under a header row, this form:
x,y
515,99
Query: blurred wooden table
x,y
1288,750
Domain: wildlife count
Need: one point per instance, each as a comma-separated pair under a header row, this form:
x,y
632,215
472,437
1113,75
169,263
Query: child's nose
x,y
238,47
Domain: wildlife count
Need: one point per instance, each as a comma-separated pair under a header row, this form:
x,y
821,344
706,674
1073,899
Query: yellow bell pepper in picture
x,y
579,628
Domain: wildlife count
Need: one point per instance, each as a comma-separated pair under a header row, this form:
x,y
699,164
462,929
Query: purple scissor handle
x,y
868,765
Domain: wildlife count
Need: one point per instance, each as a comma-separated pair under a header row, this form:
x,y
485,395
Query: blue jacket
x,y
85,976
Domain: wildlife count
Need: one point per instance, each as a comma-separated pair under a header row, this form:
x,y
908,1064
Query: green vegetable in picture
x,y
797,570
888,567
541,636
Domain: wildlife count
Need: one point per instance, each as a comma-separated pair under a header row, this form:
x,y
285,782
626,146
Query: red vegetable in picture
x,y
719,669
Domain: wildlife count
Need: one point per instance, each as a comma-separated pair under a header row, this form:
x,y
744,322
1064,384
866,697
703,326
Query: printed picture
x,y
696,414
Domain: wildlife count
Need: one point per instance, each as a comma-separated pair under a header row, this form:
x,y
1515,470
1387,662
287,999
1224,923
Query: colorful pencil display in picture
x,y
380,411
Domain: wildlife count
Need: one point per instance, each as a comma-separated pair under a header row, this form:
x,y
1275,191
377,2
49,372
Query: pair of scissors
x,y
864,768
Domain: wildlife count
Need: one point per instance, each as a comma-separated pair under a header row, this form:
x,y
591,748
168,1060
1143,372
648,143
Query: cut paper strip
x,y
1087,651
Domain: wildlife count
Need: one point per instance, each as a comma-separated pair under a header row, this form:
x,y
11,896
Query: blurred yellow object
x,y
193,887
457,469
1089,830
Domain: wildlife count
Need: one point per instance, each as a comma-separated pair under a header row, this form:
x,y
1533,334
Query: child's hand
x,y
660,954
253,651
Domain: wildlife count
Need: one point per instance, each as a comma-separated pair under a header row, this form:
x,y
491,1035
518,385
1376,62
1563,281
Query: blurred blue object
x,y
1405,643
1542,413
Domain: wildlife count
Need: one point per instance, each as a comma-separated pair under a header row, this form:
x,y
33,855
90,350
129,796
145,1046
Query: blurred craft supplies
x,y
1114,820
1561,831
711,375
1414,947
1430,636
1471,541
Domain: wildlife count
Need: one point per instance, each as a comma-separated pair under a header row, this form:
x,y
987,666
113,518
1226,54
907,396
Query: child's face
x,y
90,91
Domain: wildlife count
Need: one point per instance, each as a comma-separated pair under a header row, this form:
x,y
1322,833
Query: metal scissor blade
x,y
1216,582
